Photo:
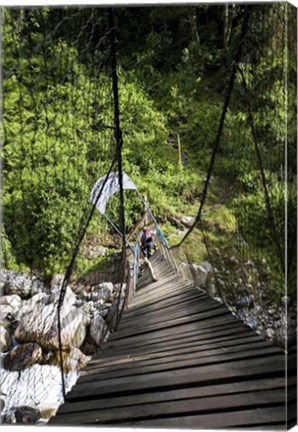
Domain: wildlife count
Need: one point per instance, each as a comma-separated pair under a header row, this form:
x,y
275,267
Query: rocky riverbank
x,y
31,375
275,321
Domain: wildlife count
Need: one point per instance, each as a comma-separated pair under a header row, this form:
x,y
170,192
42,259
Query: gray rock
x,y
271,311
211,289
188,221
97,251
207,266
88,308
9,418
11,300
103,291
103,312
27,414
72,360
194,272
270,333
5,311
34,304
98,329
13,282
24,356
5,339
221,282
57,280
41,324
245,301
234,260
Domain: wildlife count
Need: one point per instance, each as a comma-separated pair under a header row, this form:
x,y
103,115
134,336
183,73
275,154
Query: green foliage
x,y
222,218
6,255
173,70
48,140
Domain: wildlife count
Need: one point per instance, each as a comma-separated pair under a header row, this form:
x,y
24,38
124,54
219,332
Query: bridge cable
x,y
117,158
238,55
68,273
271,219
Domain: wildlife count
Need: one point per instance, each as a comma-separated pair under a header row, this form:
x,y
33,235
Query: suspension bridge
x,y
176,356
180,359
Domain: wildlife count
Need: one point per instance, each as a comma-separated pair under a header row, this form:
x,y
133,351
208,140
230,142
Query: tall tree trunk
x,y
228,18
193,24
226,25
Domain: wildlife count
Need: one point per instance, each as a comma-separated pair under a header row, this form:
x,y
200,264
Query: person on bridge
x,y
146,242
146,245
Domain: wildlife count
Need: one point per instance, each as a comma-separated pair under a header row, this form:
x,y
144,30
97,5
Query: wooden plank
x,y
172,395
195,326
133,312
194,406
167,284
112,358
174,363
241,418
194,375
161,355
123,362
180,328
178,333
188,342
173,322
168,289
181,310
150,339
163,317
184,347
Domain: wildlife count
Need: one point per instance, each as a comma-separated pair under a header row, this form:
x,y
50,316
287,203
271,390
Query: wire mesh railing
x,y
61,132
244,223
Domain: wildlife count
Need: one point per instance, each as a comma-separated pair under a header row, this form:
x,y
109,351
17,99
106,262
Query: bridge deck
x,y
180,360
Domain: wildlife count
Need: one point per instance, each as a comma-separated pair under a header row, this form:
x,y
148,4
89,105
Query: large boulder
x,y
13,282
57,280
6,315
72,361
115,309
41,324
11,300
98,329
91,308
27,414
89,346
8,418
198,274
24,356
5,339
33,305
188,221
103,291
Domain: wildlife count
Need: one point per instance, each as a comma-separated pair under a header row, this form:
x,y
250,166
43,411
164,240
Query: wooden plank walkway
x,y
180,360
